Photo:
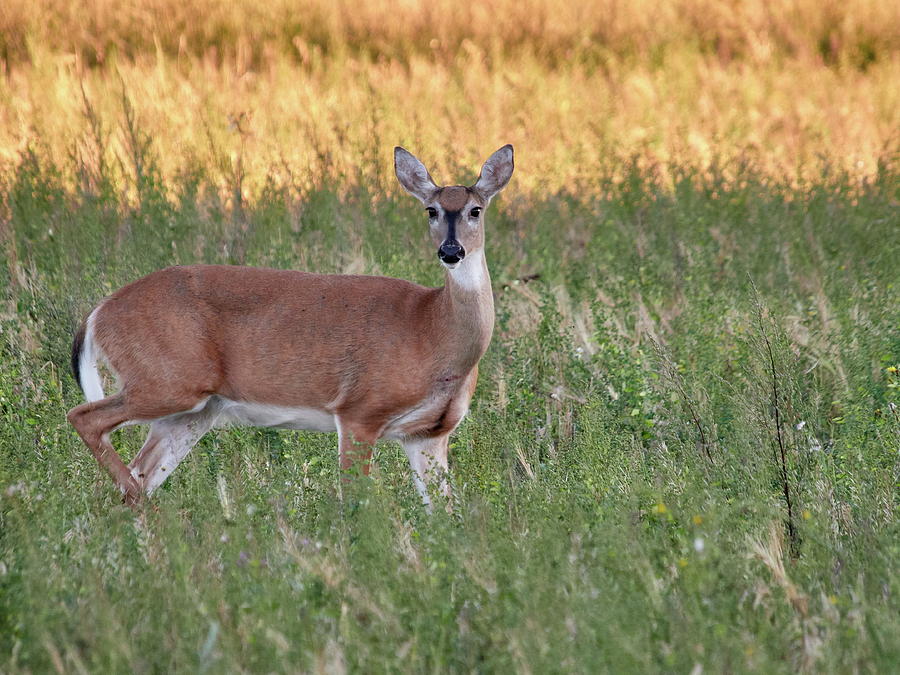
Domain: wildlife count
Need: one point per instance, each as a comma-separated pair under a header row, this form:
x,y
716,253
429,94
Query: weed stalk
x,y
781,458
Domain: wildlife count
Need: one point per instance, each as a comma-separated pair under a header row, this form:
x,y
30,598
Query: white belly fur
x,y
245,413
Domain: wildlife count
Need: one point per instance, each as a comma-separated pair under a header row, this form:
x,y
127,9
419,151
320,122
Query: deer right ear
x,y
413,175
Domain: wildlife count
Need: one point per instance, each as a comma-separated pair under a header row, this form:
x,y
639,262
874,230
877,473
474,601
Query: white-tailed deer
x,y
369,357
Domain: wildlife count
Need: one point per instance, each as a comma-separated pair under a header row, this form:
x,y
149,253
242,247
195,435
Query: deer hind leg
x,y
168,443
428,461
94,422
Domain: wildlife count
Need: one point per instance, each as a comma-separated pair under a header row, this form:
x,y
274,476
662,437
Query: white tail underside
x,y
88,368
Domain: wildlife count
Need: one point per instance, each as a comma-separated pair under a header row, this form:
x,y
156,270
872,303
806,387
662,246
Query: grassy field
x,y
684,451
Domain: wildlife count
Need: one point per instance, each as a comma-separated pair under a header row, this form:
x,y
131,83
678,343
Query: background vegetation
x,y
684,452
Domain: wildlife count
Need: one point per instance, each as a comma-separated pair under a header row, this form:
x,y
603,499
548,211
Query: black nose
x,y
451,252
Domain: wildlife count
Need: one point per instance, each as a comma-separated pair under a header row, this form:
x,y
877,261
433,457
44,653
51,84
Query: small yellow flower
x,y
660,508
832,599
806,514
682,562
697,520
891,369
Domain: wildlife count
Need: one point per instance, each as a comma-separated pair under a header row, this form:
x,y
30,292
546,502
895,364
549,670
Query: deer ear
x,y
413,175
496,172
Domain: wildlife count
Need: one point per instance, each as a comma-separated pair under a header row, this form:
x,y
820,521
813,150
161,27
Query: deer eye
x,y
475,212
432,212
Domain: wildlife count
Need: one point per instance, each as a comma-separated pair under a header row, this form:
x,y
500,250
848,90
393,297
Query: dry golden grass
x,y
313,91
853,32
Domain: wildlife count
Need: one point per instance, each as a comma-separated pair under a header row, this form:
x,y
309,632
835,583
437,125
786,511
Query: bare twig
x,y
781,459
675,378
524,279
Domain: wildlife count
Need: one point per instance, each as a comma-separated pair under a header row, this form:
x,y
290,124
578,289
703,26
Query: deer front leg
x,y
355,443
428,461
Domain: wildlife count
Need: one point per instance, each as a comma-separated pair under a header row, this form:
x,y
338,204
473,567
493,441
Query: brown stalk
x,y
781,453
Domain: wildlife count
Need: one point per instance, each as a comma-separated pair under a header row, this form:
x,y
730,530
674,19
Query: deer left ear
x,y
496,172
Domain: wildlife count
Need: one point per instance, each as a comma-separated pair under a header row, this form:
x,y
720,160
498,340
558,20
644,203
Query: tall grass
x,y
683,451
620,478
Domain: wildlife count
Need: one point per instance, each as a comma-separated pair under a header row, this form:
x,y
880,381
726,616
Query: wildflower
x,y
806,514
699,544
697,520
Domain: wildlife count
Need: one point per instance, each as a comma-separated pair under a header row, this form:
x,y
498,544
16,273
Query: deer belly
x,y
247,413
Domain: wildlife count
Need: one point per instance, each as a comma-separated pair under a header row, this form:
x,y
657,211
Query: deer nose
x,y
451,252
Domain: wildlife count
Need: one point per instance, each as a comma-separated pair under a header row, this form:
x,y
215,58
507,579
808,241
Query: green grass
x,y
620,494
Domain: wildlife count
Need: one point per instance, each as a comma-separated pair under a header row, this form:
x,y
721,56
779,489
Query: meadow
x,y
683,454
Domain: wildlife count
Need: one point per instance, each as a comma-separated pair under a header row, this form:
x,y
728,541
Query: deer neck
x,y
467,311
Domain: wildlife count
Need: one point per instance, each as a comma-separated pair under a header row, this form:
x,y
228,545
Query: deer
x,y
369,357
